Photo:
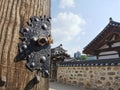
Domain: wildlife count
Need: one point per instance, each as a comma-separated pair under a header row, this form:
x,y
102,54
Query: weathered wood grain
x,y
13,15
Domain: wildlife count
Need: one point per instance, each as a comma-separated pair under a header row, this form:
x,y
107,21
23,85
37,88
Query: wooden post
x,y
13,15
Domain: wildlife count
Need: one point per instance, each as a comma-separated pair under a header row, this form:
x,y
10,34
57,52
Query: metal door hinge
x,y
35,45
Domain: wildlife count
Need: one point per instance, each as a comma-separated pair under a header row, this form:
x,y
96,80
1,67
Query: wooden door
x,y
13,15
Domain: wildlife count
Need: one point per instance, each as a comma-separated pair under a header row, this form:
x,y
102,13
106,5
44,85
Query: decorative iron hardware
x,y
31,83
35,45
2,83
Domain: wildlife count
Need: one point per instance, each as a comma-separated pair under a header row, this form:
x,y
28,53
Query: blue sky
x,y
76,22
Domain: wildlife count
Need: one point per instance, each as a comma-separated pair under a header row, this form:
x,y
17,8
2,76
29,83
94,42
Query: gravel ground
x,y
59,86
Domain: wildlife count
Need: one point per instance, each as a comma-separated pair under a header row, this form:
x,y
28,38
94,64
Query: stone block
x,y
70,78
110,78
80,83
81,71
88,85
90,71
116,68
71,74
69,82
115,83
74,82
76,71
102,78
102,73
110,88
117,78
79,74
91,76
99,82
103,68
108,83
99,88
118,72
81,79
87,68
108,68
111,73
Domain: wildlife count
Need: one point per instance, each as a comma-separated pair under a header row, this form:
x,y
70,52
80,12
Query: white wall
x,y
108,56
116,44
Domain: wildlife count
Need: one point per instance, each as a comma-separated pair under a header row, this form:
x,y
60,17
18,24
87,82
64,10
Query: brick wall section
x,y
95,77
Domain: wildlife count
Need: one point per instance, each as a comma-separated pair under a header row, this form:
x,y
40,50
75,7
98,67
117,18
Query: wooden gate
x,y
13,15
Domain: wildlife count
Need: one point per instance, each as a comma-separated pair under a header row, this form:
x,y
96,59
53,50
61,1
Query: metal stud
x,y
34,38
24,46
45,74
32,64
26,29
43,59
44,26
36,19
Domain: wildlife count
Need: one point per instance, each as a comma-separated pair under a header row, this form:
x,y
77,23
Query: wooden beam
x,y
108,49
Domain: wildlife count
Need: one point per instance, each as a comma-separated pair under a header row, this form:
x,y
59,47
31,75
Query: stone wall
x,y
106,77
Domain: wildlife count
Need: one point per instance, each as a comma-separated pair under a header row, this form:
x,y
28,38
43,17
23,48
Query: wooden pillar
x,y
13,15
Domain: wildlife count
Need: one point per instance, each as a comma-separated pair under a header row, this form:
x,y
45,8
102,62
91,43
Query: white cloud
x,y
67,3
66,27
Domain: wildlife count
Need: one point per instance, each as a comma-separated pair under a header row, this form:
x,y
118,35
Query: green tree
x,y
84,57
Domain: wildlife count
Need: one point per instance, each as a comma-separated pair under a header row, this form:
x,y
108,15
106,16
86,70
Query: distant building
x,y
106,45
77,55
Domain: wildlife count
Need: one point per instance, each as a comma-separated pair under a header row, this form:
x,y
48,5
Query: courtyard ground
x,y
59,86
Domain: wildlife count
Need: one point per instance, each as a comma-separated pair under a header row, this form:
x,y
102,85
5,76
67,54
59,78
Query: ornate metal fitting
x,y
35,44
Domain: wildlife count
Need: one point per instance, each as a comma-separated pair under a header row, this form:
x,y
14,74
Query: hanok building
x,y
106,45
58,54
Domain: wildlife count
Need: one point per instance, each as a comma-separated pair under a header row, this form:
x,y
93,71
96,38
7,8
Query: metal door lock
x,y
35,44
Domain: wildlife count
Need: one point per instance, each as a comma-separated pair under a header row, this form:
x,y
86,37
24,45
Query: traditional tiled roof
x,y
59,52
102,62
100,39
